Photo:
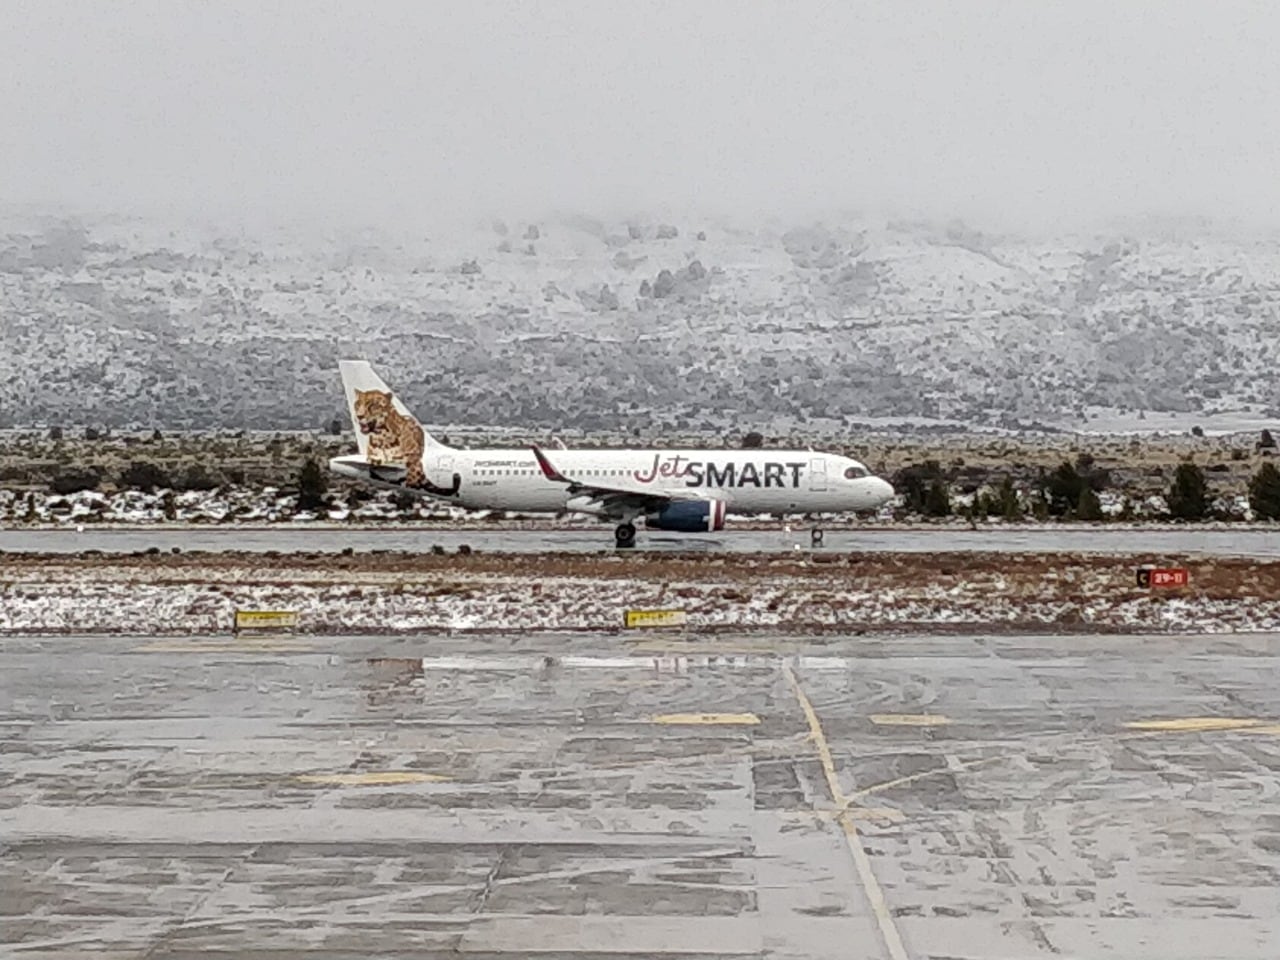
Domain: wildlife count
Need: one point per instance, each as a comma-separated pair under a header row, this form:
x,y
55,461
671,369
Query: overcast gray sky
x,y
1032,109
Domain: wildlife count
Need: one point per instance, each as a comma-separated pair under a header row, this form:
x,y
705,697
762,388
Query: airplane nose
x,y
882,490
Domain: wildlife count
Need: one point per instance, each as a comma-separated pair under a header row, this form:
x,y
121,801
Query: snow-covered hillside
x,y
578,323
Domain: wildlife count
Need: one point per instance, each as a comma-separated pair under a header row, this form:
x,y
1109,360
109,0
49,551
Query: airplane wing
x,y
619,496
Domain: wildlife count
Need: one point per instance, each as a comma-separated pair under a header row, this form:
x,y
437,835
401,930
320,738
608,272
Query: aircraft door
x,y
818,474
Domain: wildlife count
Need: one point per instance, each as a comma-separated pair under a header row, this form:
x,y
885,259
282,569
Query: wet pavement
x,y
588,796
1172,541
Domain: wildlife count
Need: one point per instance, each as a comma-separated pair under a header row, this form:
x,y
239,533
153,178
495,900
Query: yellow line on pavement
x,y
870,885
728,719
1195,724
370,778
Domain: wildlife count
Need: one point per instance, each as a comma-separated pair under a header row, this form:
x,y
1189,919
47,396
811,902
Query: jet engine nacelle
x,y
688,516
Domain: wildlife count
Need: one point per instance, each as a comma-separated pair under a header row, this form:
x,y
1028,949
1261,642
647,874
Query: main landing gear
x,y
624,534
815,536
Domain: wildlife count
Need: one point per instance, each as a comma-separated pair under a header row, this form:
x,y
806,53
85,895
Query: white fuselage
x,y
747,481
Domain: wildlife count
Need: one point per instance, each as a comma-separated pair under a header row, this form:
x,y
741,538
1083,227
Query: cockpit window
x,y
856,473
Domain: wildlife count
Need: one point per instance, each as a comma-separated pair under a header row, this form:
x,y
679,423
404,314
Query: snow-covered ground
x,y
159,597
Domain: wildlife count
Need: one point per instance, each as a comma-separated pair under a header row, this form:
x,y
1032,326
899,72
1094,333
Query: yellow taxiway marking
x,y
1196,724
870,885
908,720
726,719
370,779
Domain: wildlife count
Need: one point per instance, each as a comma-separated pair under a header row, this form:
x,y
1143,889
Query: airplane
x,y
687,491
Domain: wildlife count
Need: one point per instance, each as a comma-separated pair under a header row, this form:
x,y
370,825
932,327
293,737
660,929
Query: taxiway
x,y
879,797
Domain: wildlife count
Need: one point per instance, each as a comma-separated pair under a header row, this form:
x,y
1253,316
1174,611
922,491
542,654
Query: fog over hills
x,y
791,215
576,322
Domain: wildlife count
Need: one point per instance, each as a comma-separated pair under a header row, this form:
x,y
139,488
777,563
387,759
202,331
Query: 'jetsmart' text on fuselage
x,y
708,473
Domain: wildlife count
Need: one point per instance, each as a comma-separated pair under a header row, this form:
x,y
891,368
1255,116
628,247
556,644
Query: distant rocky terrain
x,y
641,327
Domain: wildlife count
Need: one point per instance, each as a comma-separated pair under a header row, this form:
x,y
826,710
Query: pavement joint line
x,y
909,720
266,645
853,839
371,778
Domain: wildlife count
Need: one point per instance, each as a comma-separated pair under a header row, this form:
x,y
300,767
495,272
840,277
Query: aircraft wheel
x,y
625,534
815,537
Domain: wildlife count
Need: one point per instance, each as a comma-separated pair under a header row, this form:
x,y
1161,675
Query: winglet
x,y
548,471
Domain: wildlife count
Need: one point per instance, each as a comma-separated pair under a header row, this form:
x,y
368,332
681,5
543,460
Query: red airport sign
x,y
1163,577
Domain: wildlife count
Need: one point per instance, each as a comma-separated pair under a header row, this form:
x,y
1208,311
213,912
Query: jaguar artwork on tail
x,y
397,439
394,438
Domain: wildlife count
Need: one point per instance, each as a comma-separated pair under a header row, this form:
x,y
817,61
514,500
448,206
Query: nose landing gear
x,y
624,535
815,536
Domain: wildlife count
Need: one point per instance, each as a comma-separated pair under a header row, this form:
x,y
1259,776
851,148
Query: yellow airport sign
x,y
266,619
655,618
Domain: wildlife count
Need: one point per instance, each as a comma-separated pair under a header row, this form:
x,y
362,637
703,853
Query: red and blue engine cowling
x,y
688,516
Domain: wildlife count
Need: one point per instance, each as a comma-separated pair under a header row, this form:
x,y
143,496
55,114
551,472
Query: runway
x,y
1177,542
579,795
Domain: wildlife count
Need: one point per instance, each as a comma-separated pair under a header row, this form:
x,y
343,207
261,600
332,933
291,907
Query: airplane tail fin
x,y
366,396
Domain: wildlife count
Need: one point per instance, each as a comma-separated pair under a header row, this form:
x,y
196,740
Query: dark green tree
x,y
1088,507
311,486
1188,498
1264,492
1095,477
1063,488
197,477
1039,505
144,475
913,483
75,479
753,440
1006,500
937,502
